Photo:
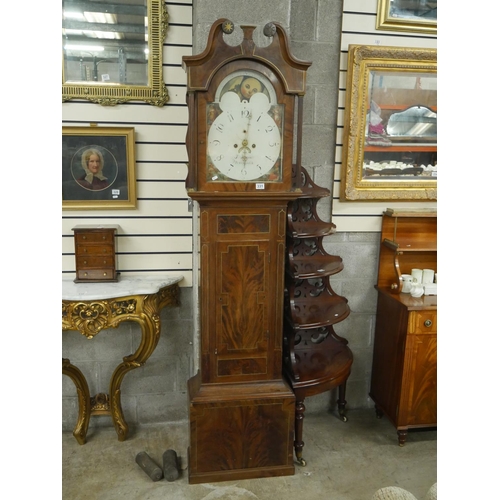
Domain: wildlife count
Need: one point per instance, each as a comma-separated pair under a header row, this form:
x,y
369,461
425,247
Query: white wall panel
x,y
160,132
381,38
130,243
156,238
368,6
173,55
162,171
162,190
85,112
168,152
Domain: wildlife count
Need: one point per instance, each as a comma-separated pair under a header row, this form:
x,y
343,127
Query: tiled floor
x,y
344,461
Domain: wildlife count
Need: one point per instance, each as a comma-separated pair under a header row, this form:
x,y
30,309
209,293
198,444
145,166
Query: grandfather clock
x,y
242,100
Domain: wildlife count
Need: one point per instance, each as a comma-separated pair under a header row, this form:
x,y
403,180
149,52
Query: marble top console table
x,y
92,307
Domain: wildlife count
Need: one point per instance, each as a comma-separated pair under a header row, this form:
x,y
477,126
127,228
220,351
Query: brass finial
x,y
227,27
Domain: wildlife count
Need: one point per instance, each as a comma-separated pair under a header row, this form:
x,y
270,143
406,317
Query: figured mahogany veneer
x,y
404,371
241,409
316,359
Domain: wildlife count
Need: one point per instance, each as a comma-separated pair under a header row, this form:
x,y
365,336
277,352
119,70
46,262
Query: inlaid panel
x,y
243,286
230,224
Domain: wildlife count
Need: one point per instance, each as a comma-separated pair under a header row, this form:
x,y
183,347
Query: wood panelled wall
x,y
358,27
157,237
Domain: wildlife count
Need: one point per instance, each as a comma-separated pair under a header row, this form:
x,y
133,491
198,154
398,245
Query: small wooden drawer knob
x,y
428,323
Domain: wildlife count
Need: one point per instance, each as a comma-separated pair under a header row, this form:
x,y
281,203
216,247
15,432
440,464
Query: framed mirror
x,y
416,16
389,147
113,51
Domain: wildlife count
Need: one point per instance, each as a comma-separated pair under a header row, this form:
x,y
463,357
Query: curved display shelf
x,y
315,358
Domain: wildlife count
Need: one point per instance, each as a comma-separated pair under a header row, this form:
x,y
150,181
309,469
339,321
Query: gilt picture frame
x,y
415,16
389,149
98,168
104,51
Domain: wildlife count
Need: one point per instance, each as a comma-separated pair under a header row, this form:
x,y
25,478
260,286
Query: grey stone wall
x,y
157,391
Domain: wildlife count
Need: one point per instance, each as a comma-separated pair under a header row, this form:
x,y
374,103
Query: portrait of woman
x,y
93,164
98,167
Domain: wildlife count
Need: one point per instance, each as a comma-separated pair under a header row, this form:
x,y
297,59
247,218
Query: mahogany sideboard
x,y
404,371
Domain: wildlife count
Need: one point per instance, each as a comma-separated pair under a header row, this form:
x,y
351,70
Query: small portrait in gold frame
x,y
98,168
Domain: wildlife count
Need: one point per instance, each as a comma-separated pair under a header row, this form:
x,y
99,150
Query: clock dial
x,y
244,139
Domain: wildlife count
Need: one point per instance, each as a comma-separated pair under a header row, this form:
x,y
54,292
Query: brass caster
x,y
301,462
344,418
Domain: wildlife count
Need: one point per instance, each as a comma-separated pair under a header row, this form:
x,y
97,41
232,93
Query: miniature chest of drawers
x,y
95,253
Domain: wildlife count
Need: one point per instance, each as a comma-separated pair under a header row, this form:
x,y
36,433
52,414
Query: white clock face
x,y
244,140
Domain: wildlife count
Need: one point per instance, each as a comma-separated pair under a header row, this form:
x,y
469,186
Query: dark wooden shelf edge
x,y
326,267
403,247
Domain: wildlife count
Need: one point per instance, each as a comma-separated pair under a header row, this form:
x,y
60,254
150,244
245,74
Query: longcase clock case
x,y
241,409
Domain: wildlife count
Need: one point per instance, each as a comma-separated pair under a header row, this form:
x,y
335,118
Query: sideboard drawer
x,y
422,322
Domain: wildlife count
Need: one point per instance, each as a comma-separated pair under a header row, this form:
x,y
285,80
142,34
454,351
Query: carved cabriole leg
x,y
149,321
300,408
341,402
82,389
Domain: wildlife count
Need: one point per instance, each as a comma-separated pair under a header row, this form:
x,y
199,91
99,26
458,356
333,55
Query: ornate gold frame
x,y
111,94
386,22
362,59
127,163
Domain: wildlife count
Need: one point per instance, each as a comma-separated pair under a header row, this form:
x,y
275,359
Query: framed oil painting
x,y
417,16
98,168
389,149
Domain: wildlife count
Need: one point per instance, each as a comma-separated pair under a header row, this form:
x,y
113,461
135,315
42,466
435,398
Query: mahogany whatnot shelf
x,y
316,359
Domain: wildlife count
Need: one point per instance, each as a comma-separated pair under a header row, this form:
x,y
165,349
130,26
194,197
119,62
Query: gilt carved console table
x,y
92,307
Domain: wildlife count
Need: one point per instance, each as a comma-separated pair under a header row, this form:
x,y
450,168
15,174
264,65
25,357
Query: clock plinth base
x,y
240,431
